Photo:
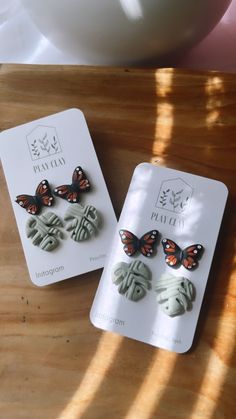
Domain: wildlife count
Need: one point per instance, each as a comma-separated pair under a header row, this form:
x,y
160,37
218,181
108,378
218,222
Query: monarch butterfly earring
x,y
145,245
72,192
187,257
33,203
83,221
44,230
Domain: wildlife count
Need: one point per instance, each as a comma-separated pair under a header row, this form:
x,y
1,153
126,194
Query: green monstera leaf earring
x,y
133,279
174,294
83,222
45,231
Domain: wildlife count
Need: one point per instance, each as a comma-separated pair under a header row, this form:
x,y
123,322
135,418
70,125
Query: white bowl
x,y
121,32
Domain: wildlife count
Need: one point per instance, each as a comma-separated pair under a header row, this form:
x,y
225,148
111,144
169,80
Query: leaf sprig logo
x,y
174,195
43,141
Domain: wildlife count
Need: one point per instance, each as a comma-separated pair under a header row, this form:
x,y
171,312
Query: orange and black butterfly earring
x,y
83,221
175,256
71,192
33,203
133,280
146,245
43,230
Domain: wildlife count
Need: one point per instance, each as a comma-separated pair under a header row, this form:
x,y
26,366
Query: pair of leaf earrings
x,y
174,294
174,255
83,221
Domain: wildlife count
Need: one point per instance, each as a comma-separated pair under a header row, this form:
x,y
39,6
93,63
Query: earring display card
x,y
46,153
157,298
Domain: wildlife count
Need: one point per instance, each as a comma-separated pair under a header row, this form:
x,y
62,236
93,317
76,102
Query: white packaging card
x,y
186,210
57,149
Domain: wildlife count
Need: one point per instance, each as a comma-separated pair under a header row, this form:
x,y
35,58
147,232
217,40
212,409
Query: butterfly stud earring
x,y
33,203
146,244
72,192
187,257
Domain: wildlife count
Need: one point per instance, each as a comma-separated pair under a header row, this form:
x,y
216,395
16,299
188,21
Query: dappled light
x,y
164,111
149,393
132,8
214,88
160,382
163,126
41,47
217,367
164,80
97,369
54,362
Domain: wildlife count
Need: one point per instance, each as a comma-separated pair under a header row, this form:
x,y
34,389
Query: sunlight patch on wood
x,y
217,368
149,393
164,79
214,89
164,110
93,377
164,126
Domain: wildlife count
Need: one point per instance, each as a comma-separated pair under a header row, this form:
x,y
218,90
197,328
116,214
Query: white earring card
x,y
50,159
155,296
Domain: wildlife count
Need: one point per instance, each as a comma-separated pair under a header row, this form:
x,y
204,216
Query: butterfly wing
x,y
29,203
130,242
172,252
67,192
43,194
71,192
191,255
79,180
147,243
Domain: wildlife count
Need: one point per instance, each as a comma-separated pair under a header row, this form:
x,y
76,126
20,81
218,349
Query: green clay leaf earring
x,y
83,222
44,231
174,294
133,279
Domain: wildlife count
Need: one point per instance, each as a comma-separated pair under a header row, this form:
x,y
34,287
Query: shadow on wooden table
x,y
199,389
149,383
108,387
53,357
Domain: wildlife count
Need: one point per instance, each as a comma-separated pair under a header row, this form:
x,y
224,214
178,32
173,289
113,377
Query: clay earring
x,y
174,294
187,257
72,192
45,231
132,279
146,244
33,203
83,221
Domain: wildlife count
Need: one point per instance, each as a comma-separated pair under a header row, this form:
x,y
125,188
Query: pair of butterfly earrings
x,y
44,197
174,255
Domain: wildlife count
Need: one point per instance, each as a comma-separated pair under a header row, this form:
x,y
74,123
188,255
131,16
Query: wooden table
x,y
53,362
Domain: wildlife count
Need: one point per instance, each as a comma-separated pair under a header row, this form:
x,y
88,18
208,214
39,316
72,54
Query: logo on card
x,y
174,195
43,142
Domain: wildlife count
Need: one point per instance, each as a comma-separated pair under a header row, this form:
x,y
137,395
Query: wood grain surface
x,y
53,362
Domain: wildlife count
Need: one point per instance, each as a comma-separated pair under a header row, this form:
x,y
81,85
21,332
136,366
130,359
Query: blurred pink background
x,y
218,50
